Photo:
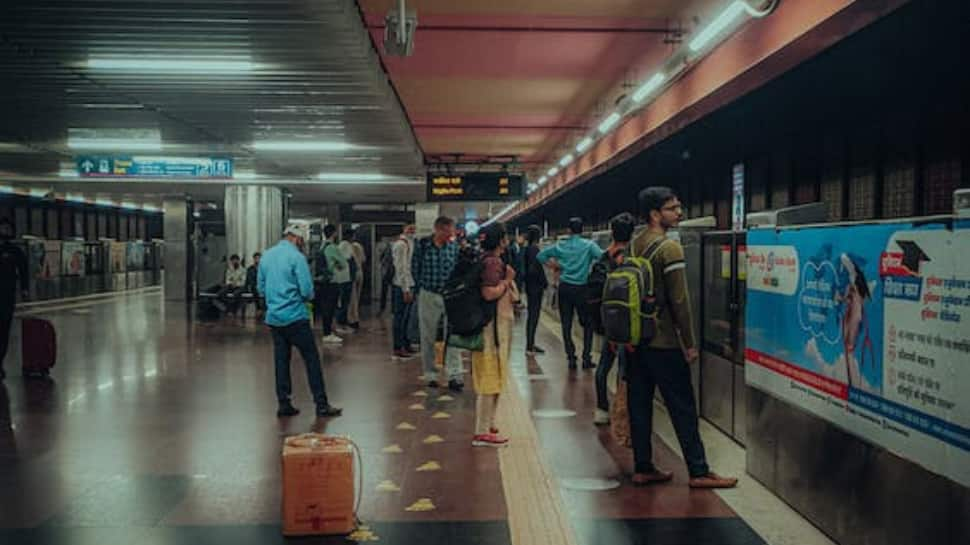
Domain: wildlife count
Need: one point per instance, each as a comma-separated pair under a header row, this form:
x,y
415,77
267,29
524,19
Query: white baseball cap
x,y
296,230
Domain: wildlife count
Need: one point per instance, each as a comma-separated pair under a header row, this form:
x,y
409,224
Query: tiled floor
x,y
158,429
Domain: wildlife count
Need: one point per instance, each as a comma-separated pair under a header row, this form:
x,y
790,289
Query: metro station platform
x,y
157,429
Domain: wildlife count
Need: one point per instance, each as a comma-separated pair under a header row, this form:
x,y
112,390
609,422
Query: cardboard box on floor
x,y
318,485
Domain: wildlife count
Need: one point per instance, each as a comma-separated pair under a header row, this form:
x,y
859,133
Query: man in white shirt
x,y
402,296
235,283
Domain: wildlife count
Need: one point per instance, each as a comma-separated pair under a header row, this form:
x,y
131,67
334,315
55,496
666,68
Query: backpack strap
x,y
654,247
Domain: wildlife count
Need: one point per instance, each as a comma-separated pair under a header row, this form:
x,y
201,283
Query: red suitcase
x,y
39,347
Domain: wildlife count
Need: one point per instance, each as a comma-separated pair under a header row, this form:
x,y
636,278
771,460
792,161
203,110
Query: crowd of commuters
x,y
417,271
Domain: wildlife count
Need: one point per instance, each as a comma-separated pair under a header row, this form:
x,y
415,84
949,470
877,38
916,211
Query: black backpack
x,y
594,289
467,311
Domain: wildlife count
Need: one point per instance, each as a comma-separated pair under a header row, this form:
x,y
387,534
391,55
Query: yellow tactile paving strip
x,y
536,514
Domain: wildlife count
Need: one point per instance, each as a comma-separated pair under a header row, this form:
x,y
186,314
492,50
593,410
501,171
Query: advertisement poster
x,y
72,258
45,258
118,256
867,326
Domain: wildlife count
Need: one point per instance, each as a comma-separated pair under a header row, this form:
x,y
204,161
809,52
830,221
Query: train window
x,y
756,181
899,187
717,294
36,227
780,180
941,177
862,183
52,230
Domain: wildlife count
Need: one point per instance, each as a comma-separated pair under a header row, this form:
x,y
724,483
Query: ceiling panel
x,y
301,70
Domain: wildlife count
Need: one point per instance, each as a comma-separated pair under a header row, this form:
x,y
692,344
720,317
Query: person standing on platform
x,y
387,273
13,271
490,367
402,294
346,247
284,279
535,286
331,274
252,273
575,255
622,227
664,362
357,281
433,261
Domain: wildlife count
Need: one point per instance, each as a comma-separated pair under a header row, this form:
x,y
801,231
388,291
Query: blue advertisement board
x,y
153,167
868,326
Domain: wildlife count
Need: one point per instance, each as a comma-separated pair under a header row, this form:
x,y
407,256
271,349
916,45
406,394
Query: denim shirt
x,y
286,284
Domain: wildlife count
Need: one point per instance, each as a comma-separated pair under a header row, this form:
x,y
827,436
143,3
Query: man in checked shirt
x,y
432,263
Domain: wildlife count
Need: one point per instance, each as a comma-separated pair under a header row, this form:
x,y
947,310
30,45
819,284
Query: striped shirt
x,y
674,320
431,266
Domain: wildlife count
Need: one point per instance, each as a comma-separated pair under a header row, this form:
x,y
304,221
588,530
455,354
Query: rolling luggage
x,y
39,347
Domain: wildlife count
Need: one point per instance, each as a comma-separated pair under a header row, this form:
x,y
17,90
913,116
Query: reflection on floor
x,y
159,429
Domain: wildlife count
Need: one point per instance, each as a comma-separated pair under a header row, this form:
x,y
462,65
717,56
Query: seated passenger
x,y
235,282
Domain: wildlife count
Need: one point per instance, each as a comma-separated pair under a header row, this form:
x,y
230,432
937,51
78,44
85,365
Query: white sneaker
x,y
343,330
332,339
601,417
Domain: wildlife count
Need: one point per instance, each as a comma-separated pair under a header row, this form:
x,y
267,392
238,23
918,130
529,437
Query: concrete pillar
x,y
255,219
178,250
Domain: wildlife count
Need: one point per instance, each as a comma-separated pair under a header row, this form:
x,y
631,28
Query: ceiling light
x,y
650,86
104,202
568,158
123,144
718,25
373,182
542,180
173,64
552,171
150,208
351,176
300,145
39,193
75,197
244,175
129,205
67,173
584,144
6,189
609,122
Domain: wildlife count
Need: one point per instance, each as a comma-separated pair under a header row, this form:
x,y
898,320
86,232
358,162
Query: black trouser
x,y
300,335
572,298
668,370
326,305
607,356
386,287
6,322
344,290
532,322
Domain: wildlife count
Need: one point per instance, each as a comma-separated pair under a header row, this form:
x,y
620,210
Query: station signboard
x,y
479,186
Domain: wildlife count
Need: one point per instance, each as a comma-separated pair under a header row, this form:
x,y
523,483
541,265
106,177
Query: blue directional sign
x,y
153,167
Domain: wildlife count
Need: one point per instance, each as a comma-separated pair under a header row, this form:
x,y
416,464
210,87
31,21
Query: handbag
x,y
472,343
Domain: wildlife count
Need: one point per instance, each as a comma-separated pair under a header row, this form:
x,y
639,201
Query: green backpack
x,y
629,308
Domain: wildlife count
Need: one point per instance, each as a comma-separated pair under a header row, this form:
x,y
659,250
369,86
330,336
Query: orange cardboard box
x,y
318,485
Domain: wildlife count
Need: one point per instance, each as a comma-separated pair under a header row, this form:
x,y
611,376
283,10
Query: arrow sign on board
x,y
87,166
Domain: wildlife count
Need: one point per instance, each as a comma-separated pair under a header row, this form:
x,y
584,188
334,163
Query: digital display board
x,y
479,186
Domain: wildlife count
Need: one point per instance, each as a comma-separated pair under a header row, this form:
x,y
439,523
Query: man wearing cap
x,y
285,282
575,256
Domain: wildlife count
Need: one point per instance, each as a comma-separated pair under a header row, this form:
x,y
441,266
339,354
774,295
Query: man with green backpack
x,y
664,345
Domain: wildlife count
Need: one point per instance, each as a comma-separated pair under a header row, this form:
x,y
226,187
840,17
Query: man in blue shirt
x,y
575,256
284,281
433,261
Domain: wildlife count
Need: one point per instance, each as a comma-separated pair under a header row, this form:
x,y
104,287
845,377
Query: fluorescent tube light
x,y
173,64
552,171
542,180
609,122
352,176
568,158
650,86
584,144
300,145
114,144
718,25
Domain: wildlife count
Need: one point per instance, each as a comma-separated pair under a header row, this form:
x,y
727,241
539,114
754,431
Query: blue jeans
x,y
346,290
668,370
300,335
402,316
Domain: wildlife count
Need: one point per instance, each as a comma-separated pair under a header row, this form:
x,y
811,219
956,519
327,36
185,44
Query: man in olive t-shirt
x,y
664,363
